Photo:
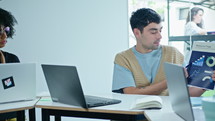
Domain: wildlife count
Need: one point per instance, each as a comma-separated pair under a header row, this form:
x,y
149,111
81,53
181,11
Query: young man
x,y
139,70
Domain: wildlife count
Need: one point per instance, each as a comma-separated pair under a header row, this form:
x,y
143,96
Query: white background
x,y
84,33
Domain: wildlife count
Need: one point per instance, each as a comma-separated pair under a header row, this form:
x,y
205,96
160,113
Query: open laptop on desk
x,y
179,94
65,87
211,33
18,82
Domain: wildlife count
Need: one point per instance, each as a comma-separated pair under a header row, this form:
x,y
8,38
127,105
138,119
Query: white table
x,y
20,108
121,111
165,114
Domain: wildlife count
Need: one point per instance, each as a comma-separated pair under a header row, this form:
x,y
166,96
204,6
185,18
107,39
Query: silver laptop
x,y
18,82
65,87
179,94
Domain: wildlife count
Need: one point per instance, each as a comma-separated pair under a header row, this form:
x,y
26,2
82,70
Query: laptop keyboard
x,y
93,101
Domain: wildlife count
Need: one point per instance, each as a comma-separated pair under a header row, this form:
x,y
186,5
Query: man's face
x,y
150,37
3,35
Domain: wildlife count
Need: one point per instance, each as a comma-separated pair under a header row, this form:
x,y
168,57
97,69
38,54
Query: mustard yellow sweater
x,y
128,60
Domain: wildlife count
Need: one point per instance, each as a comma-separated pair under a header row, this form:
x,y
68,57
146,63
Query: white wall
x,y
209,17
84,33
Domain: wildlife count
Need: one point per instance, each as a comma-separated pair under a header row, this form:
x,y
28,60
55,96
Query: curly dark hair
x,y
142,17
8,20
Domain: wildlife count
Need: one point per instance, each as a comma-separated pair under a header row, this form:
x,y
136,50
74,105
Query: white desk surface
x,y
166,113
18,106
121,108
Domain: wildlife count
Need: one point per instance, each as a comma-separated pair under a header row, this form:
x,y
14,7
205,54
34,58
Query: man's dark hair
x,y
7,20
143,17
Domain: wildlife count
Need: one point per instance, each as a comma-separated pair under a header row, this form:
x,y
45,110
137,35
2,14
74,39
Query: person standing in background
x,y
194,23
194,26
7,22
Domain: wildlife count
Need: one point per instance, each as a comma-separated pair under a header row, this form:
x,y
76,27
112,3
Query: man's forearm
x,y
154,89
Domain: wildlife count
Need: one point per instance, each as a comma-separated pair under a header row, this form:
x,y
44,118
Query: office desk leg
x,y
21,115
57,118
32,116
125,118
45,115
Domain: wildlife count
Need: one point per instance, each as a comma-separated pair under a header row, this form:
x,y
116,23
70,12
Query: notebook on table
x,y
18,82
179,94
65,87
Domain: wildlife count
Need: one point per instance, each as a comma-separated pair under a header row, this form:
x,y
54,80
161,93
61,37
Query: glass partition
x,y
189,21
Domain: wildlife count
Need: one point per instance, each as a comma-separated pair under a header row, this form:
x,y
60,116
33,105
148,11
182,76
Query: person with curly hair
x,y
7,22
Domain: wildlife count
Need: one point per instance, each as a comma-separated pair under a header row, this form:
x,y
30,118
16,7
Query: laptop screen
x,y
65,87
64,84
178,91
18,82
